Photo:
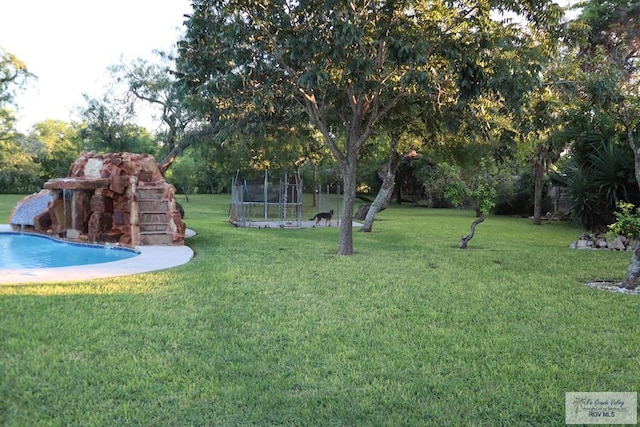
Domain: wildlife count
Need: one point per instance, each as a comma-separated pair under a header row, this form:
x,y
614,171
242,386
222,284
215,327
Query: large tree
x,y
346,65
538,128
16,167
406,128
154,85
13,76
108,126
54,145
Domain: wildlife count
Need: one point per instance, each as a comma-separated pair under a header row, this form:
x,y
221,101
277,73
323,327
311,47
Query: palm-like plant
x,y
597,182
611,165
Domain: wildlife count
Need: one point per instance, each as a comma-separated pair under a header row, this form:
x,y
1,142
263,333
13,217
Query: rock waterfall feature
x,y
119,198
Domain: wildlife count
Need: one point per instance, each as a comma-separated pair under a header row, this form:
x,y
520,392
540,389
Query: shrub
x,y
627,221
597,178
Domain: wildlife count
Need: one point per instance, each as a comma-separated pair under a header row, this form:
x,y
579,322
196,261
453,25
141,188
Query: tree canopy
x,y
16,169
153,85
345,65
13,75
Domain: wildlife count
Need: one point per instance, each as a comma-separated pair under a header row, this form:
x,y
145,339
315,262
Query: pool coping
x,y
151,258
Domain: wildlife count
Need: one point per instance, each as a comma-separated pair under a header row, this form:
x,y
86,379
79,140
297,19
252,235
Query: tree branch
x,y
474,224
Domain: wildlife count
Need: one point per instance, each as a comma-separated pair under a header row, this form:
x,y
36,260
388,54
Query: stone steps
x,y
154,216
155,238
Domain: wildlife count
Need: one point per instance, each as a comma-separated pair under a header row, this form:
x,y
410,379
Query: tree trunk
x,y
632,142
365,113
177,146
361,213
386,190
345,245
474,224
168,160
380,203
314,202
633,273
538,174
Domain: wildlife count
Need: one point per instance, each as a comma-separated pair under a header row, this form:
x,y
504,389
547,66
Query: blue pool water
x,y
19,250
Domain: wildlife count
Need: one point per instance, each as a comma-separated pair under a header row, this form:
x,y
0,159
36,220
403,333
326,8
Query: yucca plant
x,y
597,178
612,173
586,206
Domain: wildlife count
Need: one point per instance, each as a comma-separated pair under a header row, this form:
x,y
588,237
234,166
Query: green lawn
x,y
270,327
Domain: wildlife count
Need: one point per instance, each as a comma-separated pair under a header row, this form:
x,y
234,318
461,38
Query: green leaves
x,y
313,79
332,48
13,74
627,221
471,81
597,181
612,175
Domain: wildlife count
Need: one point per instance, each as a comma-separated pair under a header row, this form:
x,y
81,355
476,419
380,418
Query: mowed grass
x,y
270,327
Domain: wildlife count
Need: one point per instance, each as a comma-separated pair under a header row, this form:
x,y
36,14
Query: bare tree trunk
x,y
345,245
474,224
636,151
380,203
314,202
178,145
386,190
167,161
538,174
633,273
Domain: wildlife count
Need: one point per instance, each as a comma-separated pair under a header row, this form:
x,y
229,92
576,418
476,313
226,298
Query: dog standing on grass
x,y
323,215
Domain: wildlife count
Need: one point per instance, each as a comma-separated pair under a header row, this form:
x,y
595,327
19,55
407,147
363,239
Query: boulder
x,y
617,244
584,244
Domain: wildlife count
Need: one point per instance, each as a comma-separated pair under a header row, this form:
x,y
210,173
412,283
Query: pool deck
x,y
151,258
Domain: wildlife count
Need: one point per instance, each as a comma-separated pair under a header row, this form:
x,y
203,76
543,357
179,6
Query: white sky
x,y
69,44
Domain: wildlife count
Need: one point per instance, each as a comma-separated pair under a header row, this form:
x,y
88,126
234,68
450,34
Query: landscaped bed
x,y
270,327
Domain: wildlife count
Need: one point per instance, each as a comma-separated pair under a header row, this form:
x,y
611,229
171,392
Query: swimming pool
x,y
24,250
